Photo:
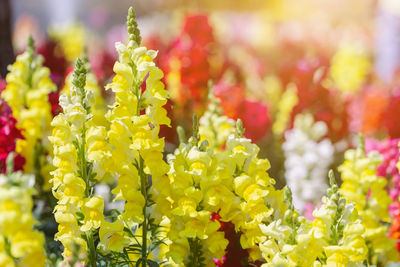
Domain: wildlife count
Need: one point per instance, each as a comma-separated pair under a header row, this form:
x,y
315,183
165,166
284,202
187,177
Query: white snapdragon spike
x,y
307,159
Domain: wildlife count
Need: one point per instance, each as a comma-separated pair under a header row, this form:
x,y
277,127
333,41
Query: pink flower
x,y
389,150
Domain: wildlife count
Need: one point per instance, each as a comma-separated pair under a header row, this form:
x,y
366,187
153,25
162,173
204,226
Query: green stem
x,y
143,184
84,168
7,248
84,172
293,234
92,249
195,253
38,150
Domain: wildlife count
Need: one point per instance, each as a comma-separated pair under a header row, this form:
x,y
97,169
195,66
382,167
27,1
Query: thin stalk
x,y
143,184
84,168
38,166
84,172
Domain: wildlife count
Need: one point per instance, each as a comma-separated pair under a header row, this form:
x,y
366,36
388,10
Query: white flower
x,y
307,159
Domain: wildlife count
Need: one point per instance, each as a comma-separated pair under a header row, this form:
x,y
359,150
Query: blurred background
x,y
371,23
332,63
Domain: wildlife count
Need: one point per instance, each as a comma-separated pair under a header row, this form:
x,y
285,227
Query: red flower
x,y
391,117
394,231
191,50
3,84
8,135
198,28
254,115
255,119
232,97
54,59
326,105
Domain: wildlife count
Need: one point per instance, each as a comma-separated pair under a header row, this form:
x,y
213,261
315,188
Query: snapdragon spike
x,y
136,148
20,243
78,145
362,186
28,87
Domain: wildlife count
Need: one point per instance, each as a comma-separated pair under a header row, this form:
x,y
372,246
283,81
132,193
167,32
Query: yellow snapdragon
x,y
333,238
79,149
137,150
71,39
20,244
259,202
28,86
198,188
338,228
349,68
287,240
362,186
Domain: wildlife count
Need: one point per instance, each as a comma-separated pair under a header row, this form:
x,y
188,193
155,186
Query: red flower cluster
x,y
326,105
54,59
394,231
254,115
375,111
188,55
391,115
8,135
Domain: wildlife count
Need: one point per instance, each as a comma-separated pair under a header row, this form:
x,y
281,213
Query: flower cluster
x,y
20,244
77,146
136,148
259,201
284,110
307,159
186,63
389,150
71,39
122,195
334,238
9,134
208,185
254,114
349,69
198,186
28,87
362,186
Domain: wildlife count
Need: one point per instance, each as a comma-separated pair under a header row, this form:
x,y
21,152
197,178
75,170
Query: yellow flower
x,y
112,235
133,151
71,39
362,186
18,239
76,143
93,212
349,68
284,109
28,86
